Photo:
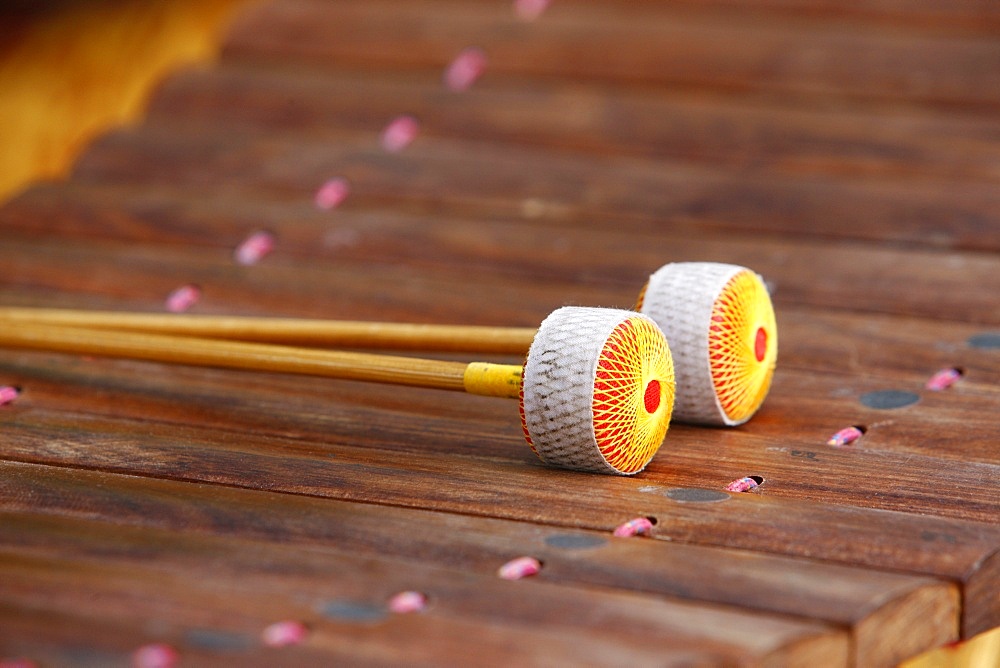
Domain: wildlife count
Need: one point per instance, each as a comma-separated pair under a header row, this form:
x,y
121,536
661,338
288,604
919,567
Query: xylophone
x,y
457,165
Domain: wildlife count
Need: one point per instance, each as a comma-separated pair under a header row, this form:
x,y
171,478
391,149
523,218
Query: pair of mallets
x,y
596,392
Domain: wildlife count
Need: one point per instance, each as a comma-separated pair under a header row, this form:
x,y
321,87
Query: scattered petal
x,y
332,193
521,567
400,133
468,66
636,527
943,379
408,601
155,655
183,298
845,436
284,633
529,10
742,485
254,248
8,393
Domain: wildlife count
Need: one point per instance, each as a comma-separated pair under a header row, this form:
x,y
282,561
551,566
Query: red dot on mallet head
x,y
760,344
652,396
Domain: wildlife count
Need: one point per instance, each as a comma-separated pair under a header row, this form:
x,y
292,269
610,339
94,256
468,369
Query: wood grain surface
x,y
848,152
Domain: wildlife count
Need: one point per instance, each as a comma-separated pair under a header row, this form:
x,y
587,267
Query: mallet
x,y
717,317
596,391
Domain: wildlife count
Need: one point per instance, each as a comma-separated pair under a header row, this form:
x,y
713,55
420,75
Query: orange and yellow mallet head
x,y
720,324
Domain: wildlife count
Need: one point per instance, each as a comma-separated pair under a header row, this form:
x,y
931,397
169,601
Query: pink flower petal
x,y
8,393
284,633
742,485
529,10
637,526
155,655
408,601
183,298
943,379
332,193
400,133
845,436
521,567
254,248
468,66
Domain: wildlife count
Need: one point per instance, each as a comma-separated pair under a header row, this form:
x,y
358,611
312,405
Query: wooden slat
x,y
247,585
803,408
720,130
581,264
651,45
788,586
932,15
637,193
767,522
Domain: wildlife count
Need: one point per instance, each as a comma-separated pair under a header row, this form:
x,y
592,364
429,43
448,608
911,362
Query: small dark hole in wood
x,y
652,520
757,479
889,399
860,427
574,541
985,340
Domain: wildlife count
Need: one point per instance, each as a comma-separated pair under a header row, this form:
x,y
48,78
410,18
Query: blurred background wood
x,y
71,69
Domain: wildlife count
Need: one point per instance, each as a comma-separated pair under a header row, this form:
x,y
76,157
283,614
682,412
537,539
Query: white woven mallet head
x,y
598,390
720,324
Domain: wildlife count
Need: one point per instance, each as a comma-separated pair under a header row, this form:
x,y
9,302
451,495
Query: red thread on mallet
x,y
651,398
760,344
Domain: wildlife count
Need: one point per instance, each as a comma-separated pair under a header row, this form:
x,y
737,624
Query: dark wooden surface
x,y
849,152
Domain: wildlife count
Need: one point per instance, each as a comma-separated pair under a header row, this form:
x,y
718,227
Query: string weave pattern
x,y
588,381
710,313
743,346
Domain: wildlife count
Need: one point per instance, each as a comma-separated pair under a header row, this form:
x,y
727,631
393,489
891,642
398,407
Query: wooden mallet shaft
x,y
502,380
291,331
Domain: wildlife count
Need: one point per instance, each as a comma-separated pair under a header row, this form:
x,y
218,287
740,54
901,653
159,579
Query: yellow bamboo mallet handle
x,y
501,380
291,331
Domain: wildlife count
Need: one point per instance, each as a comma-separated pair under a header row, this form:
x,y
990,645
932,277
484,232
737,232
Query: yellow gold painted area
x,y
981,651
742,345
493,380
75,69
635,355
